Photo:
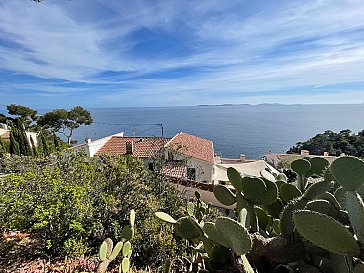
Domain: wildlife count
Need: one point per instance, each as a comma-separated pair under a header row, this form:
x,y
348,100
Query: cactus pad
x,y
132,217
230,234
323,206
188,228
349,172
340,197
355,208
235,178
282,177
253,188
126,249
125,265
270,195
116,251
262,216
318,165
242,203
165,217
289,192
331,198
224,195
235,235
127,233
275,208
190,208
103,251
103,266
326,232
286,221
211,231
301,166
267,176
317,189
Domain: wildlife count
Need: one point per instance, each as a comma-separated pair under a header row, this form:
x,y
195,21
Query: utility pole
x,y
162,129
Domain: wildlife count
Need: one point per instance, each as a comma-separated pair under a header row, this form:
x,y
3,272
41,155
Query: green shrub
x,y
70,203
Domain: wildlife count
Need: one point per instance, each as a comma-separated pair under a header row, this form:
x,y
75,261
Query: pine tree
x,y
2,147
23,141
34,149
56,141
14,145
44,144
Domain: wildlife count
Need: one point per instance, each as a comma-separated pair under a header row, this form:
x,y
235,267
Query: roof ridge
x,y
169,142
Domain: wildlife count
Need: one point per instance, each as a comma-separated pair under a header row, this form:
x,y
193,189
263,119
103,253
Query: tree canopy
x,y
65,122
334,143
23,115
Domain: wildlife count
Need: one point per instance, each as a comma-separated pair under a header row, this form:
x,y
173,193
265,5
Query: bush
x,y
70,203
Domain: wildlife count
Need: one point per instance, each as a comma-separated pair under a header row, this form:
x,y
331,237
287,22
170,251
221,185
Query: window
x,y
151,166
129,148
191,173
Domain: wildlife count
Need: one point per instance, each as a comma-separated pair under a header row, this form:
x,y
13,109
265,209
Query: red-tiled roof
x,y
5,135
173,169
142,146
193,146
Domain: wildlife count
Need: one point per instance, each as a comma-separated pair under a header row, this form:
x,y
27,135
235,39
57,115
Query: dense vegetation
x,y
334,143
70,203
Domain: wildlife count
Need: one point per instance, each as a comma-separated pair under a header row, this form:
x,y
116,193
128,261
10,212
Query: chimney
x,y
129,148
242,158
88,140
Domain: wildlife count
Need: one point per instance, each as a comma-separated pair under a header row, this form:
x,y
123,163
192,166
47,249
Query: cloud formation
x,y
143,53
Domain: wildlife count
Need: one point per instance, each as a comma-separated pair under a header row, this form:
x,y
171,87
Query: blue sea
x,y
235,129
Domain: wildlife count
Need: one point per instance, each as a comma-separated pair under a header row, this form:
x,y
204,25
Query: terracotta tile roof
x,y
142,146
173,169
5,135
193,146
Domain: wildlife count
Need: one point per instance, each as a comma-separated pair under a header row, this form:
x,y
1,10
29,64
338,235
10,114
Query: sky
x,y
115,53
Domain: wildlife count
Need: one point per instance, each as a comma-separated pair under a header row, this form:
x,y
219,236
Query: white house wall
x,y
204,169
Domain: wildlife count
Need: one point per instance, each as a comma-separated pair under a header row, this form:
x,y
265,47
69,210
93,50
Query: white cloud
x,y
237,46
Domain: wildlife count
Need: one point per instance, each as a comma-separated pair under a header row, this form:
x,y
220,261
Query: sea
x,y
252,130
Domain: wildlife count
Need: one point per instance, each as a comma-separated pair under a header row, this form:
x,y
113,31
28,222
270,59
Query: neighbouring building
x,y
184,156
197,154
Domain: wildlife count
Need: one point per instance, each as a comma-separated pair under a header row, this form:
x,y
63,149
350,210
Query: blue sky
x,y
99,53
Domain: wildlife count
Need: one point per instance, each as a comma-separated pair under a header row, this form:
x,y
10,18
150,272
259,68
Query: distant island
x,y
239,104
225,104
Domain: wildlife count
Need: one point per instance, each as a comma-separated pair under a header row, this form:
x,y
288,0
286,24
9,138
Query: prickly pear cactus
x,y
108,252
321,212
326,232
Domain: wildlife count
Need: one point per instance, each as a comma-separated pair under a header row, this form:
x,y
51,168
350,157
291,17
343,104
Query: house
x,y
197,154
184,156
